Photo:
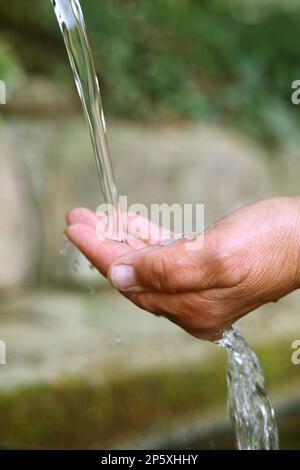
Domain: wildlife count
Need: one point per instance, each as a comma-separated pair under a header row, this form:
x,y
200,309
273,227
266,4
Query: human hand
x,y
249,258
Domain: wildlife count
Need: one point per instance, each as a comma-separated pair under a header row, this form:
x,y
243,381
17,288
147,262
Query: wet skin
x,y
249,258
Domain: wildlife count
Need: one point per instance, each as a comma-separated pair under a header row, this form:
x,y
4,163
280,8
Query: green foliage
x,y
11,70
73,413
199,59
78,414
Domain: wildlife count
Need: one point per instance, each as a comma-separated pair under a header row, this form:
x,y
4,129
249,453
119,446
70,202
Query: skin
x,y
250,257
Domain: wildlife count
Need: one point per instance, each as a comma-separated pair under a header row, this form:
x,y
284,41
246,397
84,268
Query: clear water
x,y
249,405
118,340
76,266
64,246
92,291
71,22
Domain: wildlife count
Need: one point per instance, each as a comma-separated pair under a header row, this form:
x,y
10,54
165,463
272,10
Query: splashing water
x,y
71,22
249,405
118,341
92,291
76,266
64,246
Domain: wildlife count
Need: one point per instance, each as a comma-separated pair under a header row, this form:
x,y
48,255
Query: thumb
x,y
171,268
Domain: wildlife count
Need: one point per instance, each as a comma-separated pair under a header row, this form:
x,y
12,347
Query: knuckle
x,y
229,265
159,267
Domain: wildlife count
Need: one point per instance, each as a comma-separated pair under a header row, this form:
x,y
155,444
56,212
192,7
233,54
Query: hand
x,y
249,258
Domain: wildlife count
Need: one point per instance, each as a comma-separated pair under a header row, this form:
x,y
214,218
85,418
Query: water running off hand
x,y
249,405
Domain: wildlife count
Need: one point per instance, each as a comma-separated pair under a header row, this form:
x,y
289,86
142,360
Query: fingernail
x,y
123,278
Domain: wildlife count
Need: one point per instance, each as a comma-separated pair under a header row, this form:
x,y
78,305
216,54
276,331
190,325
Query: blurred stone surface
x,y
46,167
20,229
184,164
51,334
188,164
95,336
41,97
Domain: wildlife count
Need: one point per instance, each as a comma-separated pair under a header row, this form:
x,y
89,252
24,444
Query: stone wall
x,y
47,166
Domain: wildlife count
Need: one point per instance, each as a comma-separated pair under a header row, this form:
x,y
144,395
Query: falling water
x,y
249,404
64,246
71,22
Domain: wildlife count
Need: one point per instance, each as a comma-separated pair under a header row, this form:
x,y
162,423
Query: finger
x,y
146,230
81,215
171,268
140,231
100,253
99,220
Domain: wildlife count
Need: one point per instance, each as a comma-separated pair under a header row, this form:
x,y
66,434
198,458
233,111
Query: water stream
x,y
249,405
71,22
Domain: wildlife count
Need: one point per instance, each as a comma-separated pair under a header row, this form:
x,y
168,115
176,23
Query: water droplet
x,y
92,291
65,246
76,266
118,340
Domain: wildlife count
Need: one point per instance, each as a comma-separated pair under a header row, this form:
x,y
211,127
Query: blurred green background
x,y
208,59
198,101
